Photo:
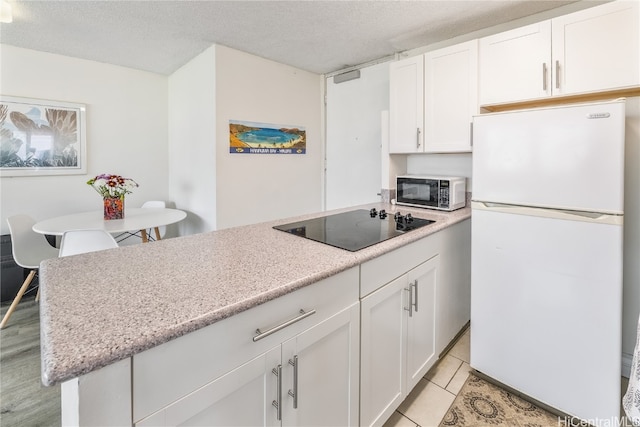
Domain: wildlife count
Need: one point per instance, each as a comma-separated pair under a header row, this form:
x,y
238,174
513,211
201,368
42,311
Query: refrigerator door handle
x,y
569,215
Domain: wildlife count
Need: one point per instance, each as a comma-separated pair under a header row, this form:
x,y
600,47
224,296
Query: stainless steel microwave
x,y
445,193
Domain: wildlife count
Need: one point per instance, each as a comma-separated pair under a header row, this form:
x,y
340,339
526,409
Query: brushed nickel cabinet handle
x,y
557,74
294,393
277,371
544,76
417,137
415,298
410,309
303,315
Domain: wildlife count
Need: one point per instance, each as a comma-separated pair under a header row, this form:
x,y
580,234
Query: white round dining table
x,y
134,219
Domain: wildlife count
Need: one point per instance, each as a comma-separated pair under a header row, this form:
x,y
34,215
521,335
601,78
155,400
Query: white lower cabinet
x,y
421,325
397,340
311,379
383,336
321,373
453,299
240,398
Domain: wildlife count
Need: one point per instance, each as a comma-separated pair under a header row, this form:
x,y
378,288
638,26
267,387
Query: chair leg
x,y
144,236
17,299
38,294
157,233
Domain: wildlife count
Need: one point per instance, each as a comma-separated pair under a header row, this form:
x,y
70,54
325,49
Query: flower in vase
x,y
112,185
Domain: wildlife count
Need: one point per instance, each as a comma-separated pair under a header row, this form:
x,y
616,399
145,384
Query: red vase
x,y
113,208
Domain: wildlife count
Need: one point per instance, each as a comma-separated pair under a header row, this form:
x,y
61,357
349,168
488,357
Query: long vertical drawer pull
x,y
277,371
303,315
294,393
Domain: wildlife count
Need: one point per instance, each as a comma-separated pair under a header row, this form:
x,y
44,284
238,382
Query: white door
x,y
321,370
406,105
354,137
562,157
516,65
546,309
597,48
421,332
243,397
383,338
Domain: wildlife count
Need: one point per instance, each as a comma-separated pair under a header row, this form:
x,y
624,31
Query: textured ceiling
x,y
317,36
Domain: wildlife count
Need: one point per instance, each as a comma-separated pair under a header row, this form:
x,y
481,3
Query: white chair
x,y
29,250
82,241
145,235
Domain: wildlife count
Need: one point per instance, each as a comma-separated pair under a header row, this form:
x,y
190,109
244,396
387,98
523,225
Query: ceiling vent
x,y
345,77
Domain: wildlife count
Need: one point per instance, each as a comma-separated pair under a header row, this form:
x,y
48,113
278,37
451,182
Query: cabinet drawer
x,y
174,369
383,269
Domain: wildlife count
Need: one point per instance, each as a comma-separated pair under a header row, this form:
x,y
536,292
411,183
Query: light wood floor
x,y
24,401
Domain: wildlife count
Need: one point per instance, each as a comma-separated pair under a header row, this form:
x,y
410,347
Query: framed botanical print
x,y
40,137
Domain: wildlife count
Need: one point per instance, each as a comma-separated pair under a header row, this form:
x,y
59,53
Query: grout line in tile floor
x,y
430,400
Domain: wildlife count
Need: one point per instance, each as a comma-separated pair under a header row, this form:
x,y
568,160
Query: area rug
x,y
480,403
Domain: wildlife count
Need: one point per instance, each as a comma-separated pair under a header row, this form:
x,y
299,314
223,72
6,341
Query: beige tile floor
x,y
429,401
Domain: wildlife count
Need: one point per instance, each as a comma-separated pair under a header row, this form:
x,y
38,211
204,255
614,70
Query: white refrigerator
x,y
546,282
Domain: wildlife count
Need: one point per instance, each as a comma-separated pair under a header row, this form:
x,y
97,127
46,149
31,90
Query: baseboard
x,y
455,340
626,364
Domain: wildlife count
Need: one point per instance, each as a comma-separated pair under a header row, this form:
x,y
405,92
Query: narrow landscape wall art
x,y
40,137
262,138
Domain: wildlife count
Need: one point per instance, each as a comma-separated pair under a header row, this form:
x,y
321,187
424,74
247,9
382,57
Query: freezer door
x,y
546,309
569,157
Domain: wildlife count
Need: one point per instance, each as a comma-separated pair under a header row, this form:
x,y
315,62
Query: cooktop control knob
x,y
398,217
373,212
382,214
408,218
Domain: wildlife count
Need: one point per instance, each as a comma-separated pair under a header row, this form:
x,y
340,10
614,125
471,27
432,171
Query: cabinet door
x,y
597,48
243,397
383,337
421,339
406,105
516,65
324,390
451,97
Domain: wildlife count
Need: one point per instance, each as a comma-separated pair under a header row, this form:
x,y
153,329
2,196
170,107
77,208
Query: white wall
x,y
126,130
259,187
192,142
458,164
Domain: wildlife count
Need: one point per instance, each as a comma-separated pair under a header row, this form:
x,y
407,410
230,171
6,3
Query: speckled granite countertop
x,y
98,308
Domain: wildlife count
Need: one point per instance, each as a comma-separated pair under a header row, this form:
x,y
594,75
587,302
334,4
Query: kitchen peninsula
x,y
157,334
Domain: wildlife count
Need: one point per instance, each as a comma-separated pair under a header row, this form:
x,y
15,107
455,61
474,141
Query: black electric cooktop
x,y
354,230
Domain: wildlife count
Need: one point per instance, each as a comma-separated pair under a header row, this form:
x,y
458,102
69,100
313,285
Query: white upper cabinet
x,y
595,49
432,100
515,65
406,109
451,97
